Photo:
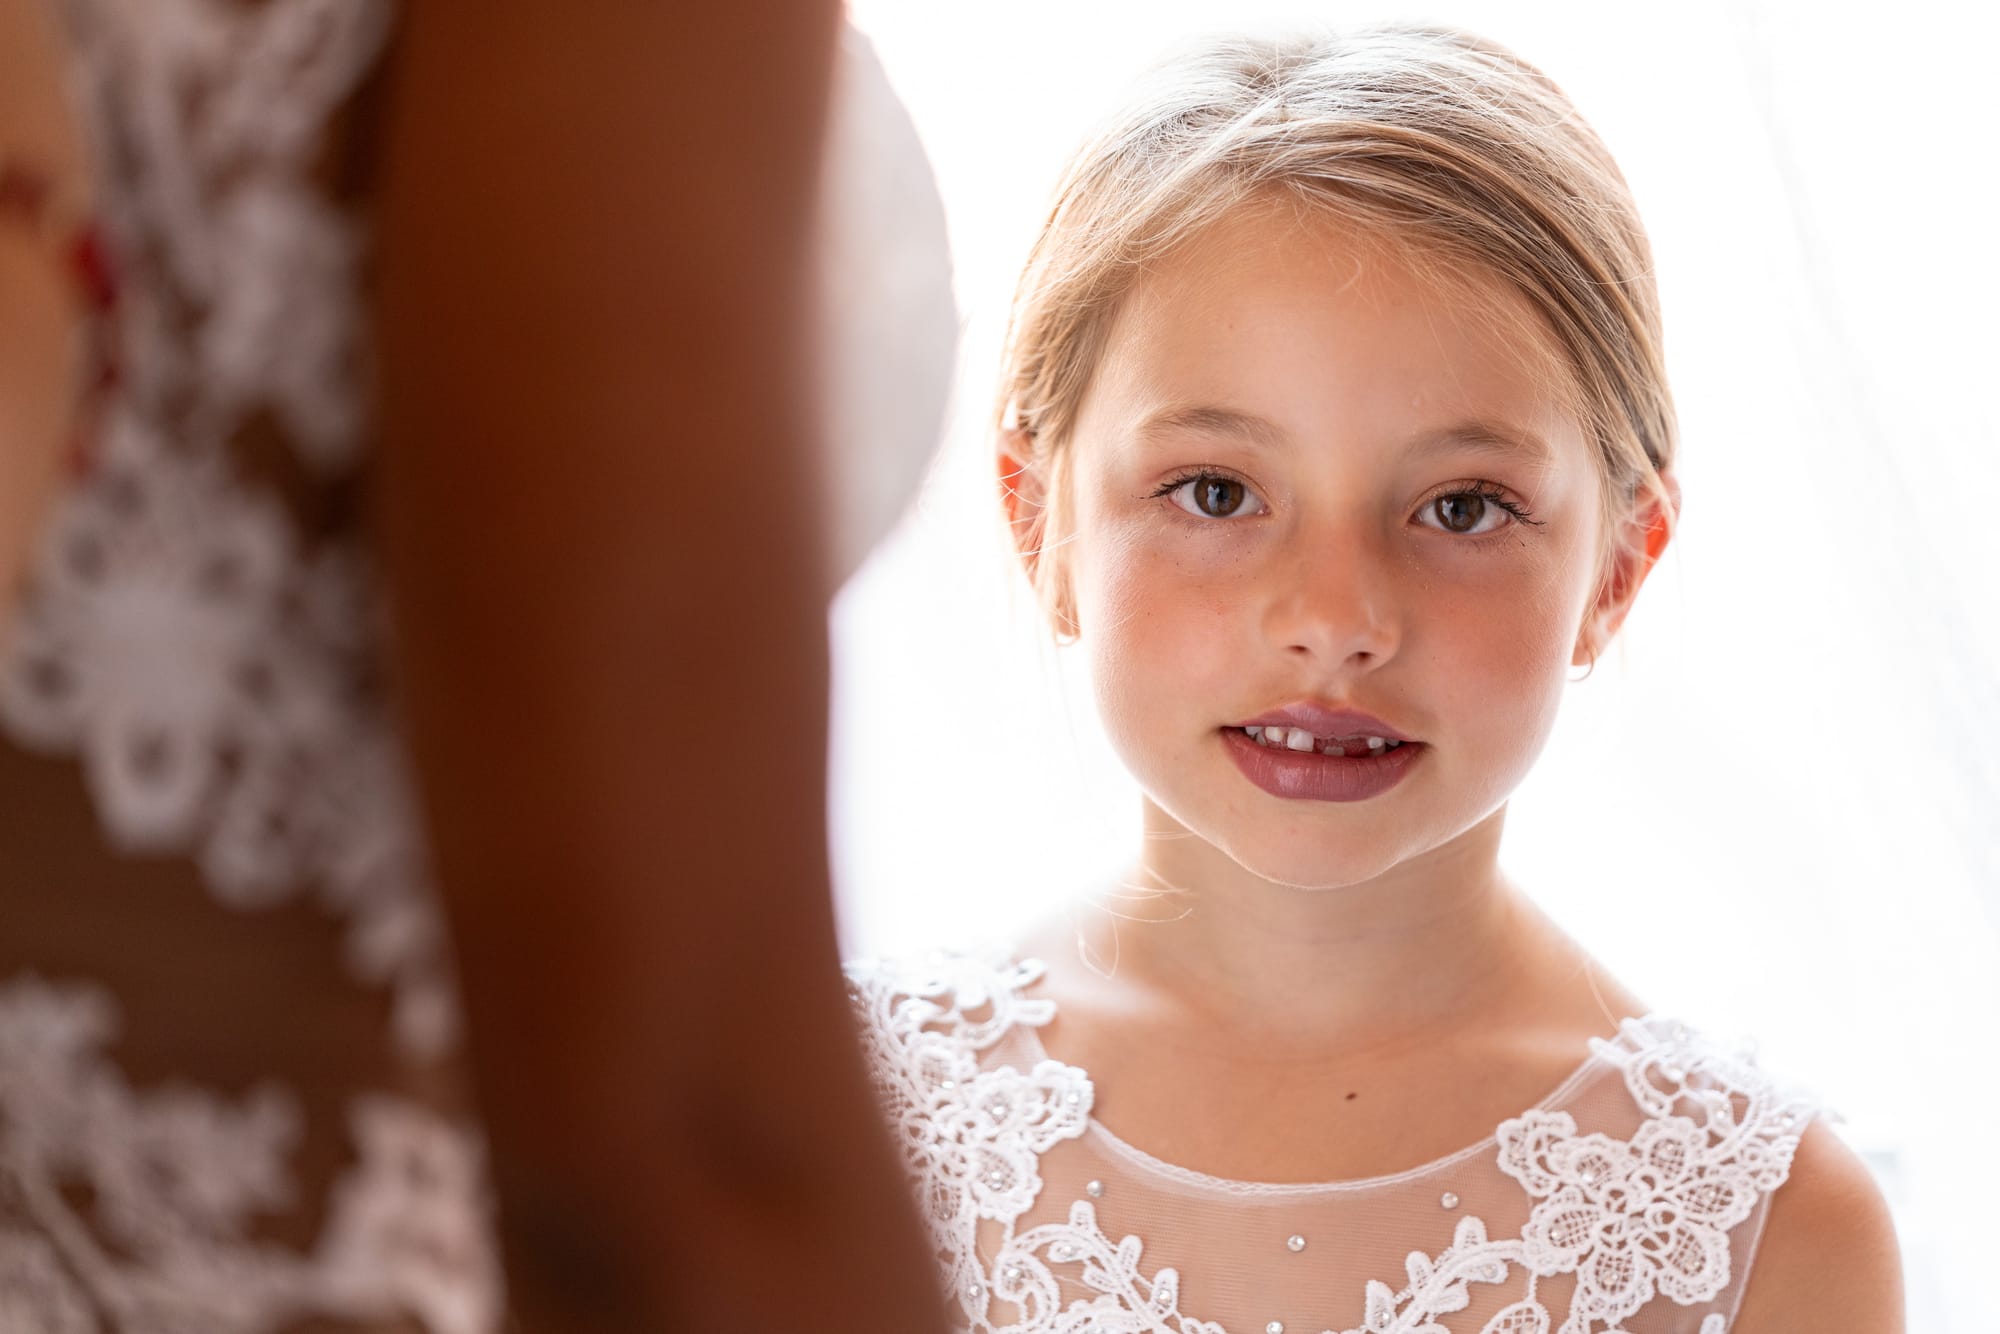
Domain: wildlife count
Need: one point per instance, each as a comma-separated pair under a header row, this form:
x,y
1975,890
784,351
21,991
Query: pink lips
x,y
1322,721
1311,776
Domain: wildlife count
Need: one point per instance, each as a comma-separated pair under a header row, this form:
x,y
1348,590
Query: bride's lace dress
x,y
1629,1199
231,1096
232,1099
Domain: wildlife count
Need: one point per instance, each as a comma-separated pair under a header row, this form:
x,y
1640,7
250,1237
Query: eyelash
x,y
1489,492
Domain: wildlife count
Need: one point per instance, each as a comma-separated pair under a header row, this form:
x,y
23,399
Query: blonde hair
x,y
1439,142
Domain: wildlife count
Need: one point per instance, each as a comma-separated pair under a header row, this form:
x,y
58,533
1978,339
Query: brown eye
x,y
1474,511
1210,495
1218,497
1461,512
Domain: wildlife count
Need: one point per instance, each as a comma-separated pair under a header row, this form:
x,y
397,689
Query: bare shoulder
x,y
1828,1260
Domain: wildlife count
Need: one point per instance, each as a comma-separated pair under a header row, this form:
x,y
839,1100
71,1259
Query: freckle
x,y
1350,1097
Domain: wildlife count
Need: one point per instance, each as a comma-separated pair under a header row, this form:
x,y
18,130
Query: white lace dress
x,y
1629,1199
232,1097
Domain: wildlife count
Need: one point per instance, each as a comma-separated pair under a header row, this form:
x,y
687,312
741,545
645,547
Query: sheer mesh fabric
x,y
1631,1198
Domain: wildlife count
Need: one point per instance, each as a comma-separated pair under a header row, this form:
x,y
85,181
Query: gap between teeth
x,y
1297,738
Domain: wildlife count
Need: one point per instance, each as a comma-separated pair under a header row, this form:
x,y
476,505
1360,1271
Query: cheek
x,y
1484,647
1497,647
1157,629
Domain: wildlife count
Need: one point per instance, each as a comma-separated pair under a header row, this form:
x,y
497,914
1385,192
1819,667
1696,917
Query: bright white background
x,y
1774,811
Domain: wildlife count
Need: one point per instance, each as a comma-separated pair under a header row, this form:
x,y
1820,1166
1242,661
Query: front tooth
x,y
1300,739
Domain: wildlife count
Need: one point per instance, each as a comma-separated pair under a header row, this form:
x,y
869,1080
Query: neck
x,y
1439,943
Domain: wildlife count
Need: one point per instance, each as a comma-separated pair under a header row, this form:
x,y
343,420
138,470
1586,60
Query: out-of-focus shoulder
x,y
1828,1259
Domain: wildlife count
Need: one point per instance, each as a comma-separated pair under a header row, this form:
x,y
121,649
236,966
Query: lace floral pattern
x,y
1629,1219
211,665
1128,1301
205,643
176,1180
971,1137
1653,1214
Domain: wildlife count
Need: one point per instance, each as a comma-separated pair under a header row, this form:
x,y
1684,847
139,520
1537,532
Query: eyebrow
x,y
1475,434
1485,437
1207,419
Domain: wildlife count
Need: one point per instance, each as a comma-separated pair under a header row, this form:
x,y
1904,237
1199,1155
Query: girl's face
x,y
1305,476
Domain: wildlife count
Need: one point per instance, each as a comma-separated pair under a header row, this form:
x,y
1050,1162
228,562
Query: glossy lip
x,y
1311,776
1324,722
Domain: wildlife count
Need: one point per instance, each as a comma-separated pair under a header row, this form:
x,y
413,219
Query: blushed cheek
x,y
1505,671
1158,641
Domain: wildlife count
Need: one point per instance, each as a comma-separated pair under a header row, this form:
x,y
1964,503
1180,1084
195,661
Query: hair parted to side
x,y
1440,143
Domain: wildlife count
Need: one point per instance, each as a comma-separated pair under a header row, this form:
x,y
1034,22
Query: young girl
x,y
1335,429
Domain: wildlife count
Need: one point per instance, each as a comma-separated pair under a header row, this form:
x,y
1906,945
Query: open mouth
x,y
1356,746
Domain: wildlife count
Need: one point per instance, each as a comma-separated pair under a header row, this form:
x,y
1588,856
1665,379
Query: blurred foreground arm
x,y
600,496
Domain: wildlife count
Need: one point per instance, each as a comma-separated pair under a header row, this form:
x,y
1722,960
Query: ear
x,y
1024,490
1024,493
1634,552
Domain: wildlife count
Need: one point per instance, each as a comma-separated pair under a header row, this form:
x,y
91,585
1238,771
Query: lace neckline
x,y
1629,1215
1592,1064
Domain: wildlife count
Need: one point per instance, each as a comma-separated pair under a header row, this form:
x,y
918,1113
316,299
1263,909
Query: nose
x,y
1335,604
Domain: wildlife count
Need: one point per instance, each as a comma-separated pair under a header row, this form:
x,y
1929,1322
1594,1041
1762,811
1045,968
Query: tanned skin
x,y
601,506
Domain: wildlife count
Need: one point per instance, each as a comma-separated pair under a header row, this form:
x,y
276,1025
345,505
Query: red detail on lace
x,y
91,268
96,280
26,194
90,264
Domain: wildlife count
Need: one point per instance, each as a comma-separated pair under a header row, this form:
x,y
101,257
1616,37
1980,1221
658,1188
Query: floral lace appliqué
x,y
201,633
971,1138
1130,1302
211,666
178,1180
1630,1219
1653,1214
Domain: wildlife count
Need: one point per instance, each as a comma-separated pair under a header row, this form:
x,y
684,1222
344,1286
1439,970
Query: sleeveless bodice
x,y
1629,1199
